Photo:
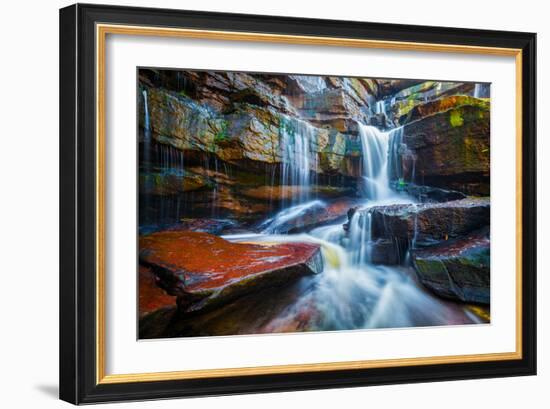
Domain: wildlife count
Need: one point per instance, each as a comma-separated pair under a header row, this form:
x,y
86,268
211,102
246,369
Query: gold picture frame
x,y
97,18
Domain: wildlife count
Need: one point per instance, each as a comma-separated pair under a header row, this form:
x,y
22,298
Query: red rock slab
x,y
151,296
197,266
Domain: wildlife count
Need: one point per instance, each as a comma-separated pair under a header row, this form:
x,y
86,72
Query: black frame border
x,y
78,204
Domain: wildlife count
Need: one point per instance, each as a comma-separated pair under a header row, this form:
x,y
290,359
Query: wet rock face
x,y
387,252
238,117
430,222
428,194
457,269
451,149
392,87
441,105
422,93
151,296
204,270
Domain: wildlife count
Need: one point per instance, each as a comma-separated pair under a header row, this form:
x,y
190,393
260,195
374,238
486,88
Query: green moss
x,y
455,118
431,268
222,135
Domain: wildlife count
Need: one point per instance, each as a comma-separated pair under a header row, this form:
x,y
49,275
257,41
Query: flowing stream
x,y
352,292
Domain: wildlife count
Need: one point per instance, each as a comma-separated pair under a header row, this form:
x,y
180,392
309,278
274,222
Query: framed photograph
x,y
258,203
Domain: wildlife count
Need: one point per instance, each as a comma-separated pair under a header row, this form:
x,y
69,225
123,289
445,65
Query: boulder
x,y
204,270
429,223
264,311
457,269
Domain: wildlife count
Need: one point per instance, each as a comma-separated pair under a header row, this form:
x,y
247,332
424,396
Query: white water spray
x,y
380,158
299,159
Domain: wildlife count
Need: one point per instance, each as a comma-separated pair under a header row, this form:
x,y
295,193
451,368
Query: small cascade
x,y
380,107
146,130
412,241
360,238
415,234
381,160
299,159
395,165
290,217
477,90
170,159
147,120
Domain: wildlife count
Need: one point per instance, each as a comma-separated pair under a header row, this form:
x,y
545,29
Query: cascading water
x,y
380,107
381,160
299,161
147,121
286,218
146,129
477,90
360,237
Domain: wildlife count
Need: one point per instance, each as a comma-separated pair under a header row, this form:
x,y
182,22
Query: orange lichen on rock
x,y
151,296
202,265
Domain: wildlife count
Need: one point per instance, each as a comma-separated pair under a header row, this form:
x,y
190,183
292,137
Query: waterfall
x,y
170,159
360,237
147,121
381,160
147,130
395,166
412,241
298,157
477,90
380,107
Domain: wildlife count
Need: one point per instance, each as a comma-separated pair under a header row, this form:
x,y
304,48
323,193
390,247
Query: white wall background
x,y
29,202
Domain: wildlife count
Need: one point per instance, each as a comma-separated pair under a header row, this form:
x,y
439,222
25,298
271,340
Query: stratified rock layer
x,y
450,147
430,223
457,269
